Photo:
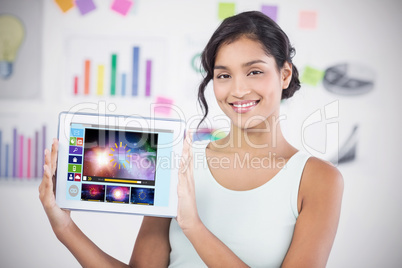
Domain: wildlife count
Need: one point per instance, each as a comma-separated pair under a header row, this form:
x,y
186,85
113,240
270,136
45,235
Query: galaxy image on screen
x,y
93,192
120,154
142,195
117,194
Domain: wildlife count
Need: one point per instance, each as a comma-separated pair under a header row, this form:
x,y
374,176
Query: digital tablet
x,y
122,164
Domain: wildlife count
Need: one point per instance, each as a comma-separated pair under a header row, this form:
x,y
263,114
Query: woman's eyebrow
x,y
247,64
221,67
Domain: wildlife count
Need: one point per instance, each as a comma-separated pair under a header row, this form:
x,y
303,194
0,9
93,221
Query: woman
x,y
249,199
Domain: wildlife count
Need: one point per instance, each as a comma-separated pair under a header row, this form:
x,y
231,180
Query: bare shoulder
x,y
321,178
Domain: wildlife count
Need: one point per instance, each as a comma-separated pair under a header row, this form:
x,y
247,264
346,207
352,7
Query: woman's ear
x,y
286,75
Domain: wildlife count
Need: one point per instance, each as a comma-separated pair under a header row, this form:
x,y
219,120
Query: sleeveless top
x,y
257,224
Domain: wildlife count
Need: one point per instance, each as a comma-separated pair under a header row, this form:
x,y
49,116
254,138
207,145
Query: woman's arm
x,y
212,251
83,249
321,191
152,247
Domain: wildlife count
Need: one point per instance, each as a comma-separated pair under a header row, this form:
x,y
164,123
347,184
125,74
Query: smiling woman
x,y
283,214
269,49
247,79
248,199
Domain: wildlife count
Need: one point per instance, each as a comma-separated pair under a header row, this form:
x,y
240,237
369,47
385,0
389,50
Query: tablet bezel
x,y
117,122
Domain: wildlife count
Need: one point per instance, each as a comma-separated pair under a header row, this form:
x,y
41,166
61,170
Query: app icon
x,y
70,176
75,159
76,132
73,190
77,177
75,150
80,141
74,168
73,140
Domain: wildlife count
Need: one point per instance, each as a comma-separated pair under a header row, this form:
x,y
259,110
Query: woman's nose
x,y
240,88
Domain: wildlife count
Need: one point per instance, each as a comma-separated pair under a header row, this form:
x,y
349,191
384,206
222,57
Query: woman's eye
x,y
254,73
223,76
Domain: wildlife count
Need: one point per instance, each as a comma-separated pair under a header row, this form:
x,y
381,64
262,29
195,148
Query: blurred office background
x,y
125,57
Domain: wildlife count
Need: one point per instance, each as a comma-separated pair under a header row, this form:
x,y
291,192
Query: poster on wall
x,y
113,66
20,49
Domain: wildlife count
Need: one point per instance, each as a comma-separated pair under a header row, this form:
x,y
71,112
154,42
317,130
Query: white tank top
x,y
257,225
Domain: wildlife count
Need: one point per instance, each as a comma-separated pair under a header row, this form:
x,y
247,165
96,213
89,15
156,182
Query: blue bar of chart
x,y
136,58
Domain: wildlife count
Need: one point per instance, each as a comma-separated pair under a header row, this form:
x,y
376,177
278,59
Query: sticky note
x,y
312,76
85,6
308,19
65,5
163,105
121,6
270,11
226,10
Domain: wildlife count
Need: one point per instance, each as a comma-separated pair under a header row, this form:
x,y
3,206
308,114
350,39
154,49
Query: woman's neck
x,y
263,138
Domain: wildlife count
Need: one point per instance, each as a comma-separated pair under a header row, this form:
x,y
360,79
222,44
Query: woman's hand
x,y
187,214
59,218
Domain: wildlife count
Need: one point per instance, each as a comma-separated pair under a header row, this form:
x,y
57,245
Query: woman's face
x,y
247,84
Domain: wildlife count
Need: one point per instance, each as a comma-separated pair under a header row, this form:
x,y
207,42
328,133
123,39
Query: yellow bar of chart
x,y
101,76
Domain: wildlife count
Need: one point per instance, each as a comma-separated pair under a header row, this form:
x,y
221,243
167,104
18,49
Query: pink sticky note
x,y
122,6
163,105
270,11
85,6
308,19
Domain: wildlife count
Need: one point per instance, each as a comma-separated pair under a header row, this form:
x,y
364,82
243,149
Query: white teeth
x,y
245,105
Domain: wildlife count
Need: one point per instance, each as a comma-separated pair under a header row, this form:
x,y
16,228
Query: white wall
x,y
348,31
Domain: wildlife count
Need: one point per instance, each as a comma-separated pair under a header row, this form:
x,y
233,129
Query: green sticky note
x,y
312,76
226,10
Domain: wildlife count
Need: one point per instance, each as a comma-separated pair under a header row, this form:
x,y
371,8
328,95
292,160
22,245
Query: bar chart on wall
x,y
115,67
21,152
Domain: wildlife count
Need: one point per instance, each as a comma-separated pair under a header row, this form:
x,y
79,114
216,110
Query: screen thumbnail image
x,y
120,154
93,192
117,194
143,196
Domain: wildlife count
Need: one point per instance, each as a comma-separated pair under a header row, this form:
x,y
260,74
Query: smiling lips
x,y
244,106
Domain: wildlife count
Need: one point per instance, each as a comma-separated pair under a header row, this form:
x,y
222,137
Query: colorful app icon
x,y
73,140
75,159
75,150
77,176
70,176
80,141
76,132
74,168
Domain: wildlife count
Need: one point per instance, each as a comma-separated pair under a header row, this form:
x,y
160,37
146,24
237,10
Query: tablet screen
x,y
118,166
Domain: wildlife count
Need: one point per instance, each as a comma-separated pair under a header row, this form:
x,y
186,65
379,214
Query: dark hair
x,y
256,26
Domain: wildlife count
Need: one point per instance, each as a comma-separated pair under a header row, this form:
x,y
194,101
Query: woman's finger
x,y
47,157
55,147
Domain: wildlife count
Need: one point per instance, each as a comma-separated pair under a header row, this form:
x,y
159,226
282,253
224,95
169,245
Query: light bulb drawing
x,y
11,36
